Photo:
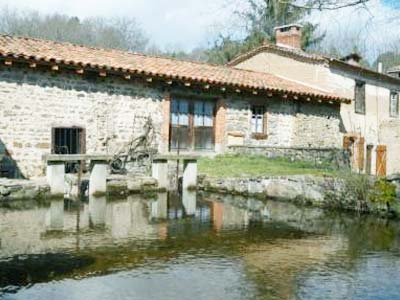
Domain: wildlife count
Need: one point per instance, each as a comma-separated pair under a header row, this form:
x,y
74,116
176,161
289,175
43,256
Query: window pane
x,y
174,118
253,125
257,119
183,112
208,114
198,113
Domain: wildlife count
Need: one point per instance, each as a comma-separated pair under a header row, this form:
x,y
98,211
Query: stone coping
x,y
76,157
176,157
286,148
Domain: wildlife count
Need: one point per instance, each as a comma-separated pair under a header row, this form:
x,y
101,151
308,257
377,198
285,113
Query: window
x,y
359,96
68,140
192,124
394,104
258,121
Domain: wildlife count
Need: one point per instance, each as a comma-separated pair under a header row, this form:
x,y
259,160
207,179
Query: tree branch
x,y
325,4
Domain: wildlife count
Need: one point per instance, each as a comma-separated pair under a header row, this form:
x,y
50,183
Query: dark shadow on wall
x,y
8,166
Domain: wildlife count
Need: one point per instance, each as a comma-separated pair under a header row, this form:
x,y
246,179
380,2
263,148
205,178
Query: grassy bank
x,y
246,166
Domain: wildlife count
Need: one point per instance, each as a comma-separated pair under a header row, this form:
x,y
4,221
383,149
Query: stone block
x,y
98,178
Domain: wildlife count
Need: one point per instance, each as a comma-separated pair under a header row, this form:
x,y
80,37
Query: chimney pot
x,y
352,59
380,67
289,36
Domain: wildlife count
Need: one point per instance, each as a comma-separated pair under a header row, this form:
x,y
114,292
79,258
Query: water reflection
x,y
189,202
147,249
55,215
159,207
97,211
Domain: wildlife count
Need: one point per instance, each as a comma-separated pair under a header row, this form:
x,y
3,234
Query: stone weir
x,y
318,191
16,189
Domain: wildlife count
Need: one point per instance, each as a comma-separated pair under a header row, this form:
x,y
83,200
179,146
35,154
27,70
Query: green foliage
x,y
362,193
383,192
246,166
261,19
357,186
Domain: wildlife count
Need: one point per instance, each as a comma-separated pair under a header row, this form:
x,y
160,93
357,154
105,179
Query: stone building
x,y
65,98
371,120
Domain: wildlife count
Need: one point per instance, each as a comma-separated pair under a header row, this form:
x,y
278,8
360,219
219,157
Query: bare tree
x,y
121,33
325,4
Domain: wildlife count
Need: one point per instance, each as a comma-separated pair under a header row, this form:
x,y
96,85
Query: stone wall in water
x,y
296,187
327,192
333,156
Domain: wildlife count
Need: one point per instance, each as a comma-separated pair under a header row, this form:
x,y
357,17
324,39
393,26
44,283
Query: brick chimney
x,y
289,36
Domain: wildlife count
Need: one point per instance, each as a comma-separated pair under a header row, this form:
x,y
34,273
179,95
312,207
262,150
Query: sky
x,y
182,24
187,24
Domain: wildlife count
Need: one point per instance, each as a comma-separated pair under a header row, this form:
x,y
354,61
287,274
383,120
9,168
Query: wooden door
x,y
192,125
381,154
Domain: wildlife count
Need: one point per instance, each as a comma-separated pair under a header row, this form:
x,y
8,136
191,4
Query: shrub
x,y
383,193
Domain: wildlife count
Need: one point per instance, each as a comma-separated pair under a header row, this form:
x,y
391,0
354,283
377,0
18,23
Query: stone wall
x,y
333,156
377,126
289,123
325,192
111,111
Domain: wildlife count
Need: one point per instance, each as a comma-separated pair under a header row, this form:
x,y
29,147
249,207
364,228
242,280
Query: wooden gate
x,y
381,160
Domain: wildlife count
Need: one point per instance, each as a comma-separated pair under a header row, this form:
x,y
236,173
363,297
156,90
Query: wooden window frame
x,y
394,113
191,126
360,97
264,134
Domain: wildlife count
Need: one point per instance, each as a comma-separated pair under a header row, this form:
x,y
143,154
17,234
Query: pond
x,y
194,246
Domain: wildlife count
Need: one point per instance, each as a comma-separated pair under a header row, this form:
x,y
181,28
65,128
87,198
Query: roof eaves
x,y
254,83
360,69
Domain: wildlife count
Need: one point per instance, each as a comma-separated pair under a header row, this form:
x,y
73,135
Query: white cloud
x,y
178,23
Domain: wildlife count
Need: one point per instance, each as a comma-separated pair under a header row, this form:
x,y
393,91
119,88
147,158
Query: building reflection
x,y
67,222
159,207
237,213
97,211
189,202
55,215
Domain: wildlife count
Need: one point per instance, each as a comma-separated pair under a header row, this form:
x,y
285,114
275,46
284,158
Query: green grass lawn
x,y
250,166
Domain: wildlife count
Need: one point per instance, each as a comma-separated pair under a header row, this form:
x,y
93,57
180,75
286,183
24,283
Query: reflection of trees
x,y
370,234
274,265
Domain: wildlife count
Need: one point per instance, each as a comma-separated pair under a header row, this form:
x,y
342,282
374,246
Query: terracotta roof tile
x,y
66,53
309,57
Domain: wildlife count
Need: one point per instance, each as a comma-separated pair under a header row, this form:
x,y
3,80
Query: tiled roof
x,y
281,50
311,57
394,69
121,61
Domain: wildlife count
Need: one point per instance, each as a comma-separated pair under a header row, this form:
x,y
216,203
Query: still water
x,y
194,246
